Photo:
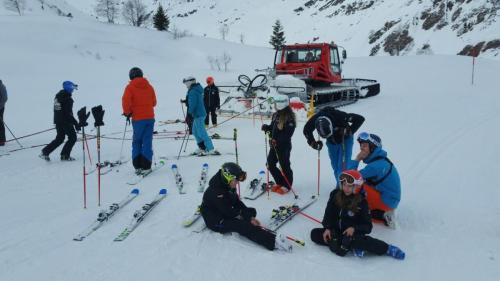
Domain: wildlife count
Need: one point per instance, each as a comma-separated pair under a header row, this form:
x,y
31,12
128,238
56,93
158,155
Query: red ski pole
x,y
235,138
319,168
300,242
98,165
267,167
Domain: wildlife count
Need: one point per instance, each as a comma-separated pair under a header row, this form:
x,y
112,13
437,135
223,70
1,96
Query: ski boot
x,y
67,158
395,252
44,157
282,244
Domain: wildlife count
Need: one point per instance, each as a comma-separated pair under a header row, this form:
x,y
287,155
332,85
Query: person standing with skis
x,y
3,101
280,132
138,102
347,222
196,112
65,123
382,182
224,212
212,101
337,127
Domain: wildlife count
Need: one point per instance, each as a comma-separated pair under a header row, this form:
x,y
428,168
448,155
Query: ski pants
x,y
211,112
341,244
340,155
62,130
2,127
142,143
200,133
280,154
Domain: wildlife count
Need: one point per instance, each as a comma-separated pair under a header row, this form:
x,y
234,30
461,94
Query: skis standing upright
x,y
203,178
256,187
178,179
105,215
140,214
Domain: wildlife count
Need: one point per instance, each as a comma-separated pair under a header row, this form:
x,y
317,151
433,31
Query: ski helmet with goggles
x,y
324,126
352,177
373,140
69,86
188,81
135,72
231,171
281,101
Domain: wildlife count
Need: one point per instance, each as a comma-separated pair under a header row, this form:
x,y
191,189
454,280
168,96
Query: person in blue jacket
x,y
382,183
196,112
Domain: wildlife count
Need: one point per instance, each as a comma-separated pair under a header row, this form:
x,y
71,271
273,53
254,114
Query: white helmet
x,y
281,101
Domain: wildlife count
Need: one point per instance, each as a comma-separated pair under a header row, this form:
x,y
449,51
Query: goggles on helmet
x,y
229,177
366,137
350,179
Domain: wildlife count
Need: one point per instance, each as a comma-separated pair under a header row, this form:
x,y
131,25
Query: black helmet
x,y
134,73
231,171
324,127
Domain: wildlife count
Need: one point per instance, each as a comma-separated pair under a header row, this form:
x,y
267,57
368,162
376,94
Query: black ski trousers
x,y
65,129
245,228
211,111
2,127
341,244
280,154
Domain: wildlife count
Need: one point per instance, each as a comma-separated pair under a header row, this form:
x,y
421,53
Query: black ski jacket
x,y
340,121
63,109
211,96
282,136
338,220
220,203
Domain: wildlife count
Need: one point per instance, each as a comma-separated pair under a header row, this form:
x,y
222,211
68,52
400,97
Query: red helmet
x,y
352,177
210,80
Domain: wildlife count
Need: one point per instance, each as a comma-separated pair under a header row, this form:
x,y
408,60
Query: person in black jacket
x,y
347,222
224,212
280,133
212,101
338,128
3,101
65,123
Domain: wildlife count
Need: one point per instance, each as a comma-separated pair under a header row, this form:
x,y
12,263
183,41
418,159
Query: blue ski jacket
x,y
195,101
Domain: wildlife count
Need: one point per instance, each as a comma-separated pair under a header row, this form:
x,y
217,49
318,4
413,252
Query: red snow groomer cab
x,y
320,67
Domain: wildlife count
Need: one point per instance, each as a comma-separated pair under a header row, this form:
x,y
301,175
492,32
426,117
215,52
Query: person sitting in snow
x,y
224,212
347,222
338,128
280,133
196,112
382,183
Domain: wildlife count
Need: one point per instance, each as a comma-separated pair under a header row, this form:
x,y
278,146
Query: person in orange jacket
x,y
138,102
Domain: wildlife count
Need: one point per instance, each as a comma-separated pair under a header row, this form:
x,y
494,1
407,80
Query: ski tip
x,y
205,165
162,162
262,172
163,191
174,166
135,191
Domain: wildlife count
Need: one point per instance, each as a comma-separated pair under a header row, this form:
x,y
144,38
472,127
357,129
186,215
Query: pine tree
x,y
160,19
278,37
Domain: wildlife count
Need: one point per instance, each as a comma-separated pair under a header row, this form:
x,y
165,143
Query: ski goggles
x,y
350,179
366,137
230,177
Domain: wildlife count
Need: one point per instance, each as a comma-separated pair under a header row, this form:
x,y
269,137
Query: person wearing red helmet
x,y
211,100
347,222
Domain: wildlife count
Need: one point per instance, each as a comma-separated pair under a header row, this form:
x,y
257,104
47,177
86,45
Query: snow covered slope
x,y
439,130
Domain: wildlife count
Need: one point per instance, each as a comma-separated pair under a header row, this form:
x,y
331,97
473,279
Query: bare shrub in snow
x,y
134,12
107,9
15,5
219,62
224,31
178,34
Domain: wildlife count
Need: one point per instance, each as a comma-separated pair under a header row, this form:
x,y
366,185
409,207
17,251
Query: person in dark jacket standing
x,y
337,127
347,222
3,101
224,212
280,133
65,123
212,101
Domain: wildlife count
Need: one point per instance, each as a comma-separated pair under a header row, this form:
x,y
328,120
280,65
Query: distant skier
x,y
224,212
65,123
347,222
337,127
382,183
212,101
138,102
3,101
196,112
280,133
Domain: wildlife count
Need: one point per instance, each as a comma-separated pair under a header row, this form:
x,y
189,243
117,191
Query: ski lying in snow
x,y
255,189
140,214
105,215
135,179
178,179
285,213
193,218
203,178
200,228
168,122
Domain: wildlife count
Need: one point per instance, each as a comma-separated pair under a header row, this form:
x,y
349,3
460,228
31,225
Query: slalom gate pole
x,y
300,242
12,134
84,171
123,139
267,166
235,138
98,165
283,173
319,167
33,134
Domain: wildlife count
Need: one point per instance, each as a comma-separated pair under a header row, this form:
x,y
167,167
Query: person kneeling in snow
x,y
347,222
224,212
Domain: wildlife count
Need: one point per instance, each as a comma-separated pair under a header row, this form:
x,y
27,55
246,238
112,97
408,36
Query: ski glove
x,y
78,127
266,128
127,115
98,114
318,145
83,115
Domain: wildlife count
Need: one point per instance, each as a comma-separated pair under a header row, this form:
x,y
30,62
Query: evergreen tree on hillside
x,y
160,19
278,36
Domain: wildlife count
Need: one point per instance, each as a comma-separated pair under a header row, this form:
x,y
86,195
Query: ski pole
x,y
283,173
123,139
33,134
235,138
319,163
186,127
12,134
300,242
98,165
310,217
84,171
267,166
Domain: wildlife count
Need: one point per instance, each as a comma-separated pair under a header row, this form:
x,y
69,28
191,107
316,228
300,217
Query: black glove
x,y
318,145
78,127
98,114
127,115
83,115
266,128
183,101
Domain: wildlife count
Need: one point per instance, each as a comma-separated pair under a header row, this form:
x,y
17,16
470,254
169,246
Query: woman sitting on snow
x,y
347,222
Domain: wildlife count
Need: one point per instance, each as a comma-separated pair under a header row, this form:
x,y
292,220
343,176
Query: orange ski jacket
x,y
139,99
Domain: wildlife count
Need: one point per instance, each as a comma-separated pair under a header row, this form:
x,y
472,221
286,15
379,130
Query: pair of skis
x,y
257,187
105,215
179,182
285,213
